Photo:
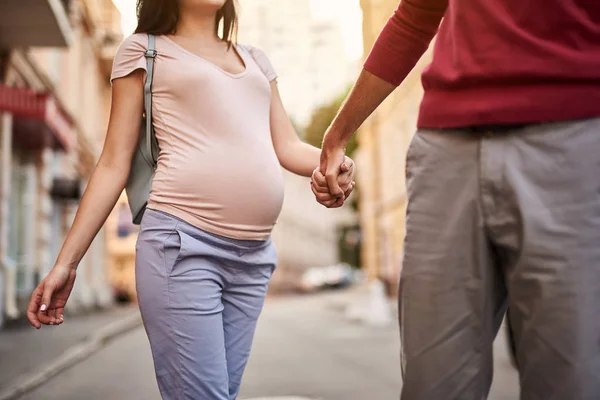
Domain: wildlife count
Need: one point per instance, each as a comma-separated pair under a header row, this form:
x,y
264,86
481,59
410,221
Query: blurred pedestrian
x,y
503,183
204,253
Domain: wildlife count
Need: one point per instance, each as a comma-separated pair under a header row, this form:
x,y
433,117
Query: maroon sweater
x,y
496,61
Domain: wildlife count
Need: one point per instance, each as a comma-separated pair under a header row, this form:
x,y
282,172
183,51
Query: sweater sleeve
x,y
405,38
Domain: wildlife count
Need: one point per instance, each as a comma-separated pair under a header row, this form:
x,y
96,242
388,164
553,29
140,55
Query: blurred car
x,y
320,278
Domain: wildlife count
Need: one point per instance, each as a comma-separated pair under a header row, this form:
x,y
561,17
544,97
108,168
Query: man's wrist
x,y
334,140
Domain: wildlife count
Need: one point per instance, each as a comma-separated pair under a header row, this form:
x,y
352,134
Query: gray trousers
x,y
200,296
505,217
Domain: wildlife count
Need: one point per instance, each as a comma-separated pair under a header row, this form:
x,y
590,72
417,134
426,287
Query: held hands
x,y
47,304
343,183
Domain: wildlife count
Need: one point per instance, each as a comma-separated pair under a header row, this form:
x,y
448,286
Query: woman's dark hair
x,y
160,17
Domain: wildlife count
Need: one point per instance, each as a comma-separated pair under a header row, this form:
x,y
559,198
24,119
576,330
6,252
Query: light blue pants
x,y
200,296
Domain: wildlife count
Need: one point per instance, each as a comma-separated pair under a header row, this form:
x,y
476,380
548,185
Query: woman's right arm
x,y
103,190
110,175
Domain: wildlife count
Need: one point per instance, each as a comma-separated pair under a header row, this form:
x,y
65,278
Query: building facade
x,y
308,53
384,140
53,106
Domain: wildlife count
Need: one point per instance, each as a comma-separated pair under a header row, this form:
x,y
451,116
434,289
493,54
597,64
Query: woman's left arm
x,y
294,155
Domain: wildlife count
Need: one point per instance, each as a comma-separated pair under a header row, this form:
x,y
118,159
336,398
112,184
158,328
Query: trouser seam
x,y
181,386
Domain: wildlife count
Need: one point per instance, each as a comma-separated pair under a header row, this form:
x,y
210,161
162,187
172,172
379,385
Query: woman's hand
x,y
345,181
47,304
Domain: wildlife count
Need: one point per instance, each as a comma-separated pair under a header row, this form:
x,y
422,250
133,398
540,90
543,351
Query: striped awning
x,y
26,104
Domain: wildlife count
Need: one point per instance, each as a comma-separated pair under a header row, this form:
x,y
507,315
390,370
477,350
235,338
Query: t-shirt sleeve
x,y
130,56
263,62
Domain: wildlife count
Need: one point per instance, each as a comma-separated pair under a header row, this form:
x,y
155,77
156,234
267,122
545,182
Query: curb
x,y
72,356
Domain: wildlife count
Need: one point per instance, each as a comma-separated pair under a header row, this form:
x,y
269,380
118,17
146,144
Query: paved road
x,y
304,347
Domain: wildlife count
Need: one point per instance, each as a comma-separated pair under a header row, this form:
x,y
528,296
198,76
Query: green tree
x,y
321,119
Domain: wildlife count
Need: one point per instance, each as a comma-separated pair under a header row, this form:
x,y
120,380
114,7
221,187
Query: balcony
x,y
34,23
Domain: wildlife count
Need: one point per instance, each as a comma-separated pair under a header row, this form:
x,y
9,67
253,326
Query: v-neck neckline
x,y
239,53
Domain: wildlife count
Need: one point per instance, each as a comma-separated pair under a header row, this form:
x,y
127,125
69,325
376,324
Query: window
x,y
16,212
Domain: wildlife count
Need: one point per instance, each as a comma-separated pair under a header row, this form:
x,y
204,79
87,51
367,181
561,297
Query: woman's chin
x,y
201,4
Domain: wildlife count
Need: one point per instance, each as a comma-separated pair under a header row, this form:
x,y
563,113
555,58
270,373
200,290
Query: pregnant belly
x,y
246,197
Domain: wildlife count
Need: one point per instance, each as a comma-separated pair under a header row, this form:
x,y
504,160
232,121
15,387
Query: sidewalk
x,y
25,350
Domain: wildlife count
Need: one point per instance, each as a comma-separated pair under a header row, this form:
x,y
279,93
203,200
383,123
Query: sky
x,y
349,17
346,12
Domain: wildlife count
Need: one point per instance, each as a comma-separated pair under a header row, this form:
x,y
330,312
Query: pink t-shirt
x,y
217,167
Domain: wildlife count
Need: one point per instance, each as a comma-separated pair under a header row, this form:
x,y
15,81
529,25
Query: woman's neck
x,y
198,24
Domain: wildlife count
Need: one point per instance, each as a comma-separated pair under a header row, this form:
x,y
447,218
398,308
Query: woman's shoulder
x,y
255,52
261,59
130,56
136,41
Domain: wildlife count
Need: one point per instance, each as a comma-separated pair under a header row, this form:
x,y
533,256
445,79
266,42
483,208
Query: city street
x,y
440,126
304,348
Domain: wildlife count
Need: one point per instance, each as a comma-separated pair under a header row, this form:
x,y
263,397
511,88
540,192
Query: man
x,y
503,183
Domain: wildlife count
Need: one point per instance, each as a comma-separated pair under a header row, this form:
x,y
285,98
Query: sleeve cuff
x,y
392,66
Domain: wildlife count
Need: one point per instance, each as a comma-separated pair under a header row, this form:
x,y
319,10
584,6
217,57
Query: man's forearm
x,y
366,95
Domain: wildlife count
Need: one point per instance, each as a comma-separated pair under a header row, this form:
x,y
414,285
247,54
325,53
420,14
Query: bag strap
x,y
150,138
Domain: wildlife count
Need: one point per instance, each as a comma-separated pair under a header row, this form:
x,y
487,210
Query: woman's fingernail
x,y
43,307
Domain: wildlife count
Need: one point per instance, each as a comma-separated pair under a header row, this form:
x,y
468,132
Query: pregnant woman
x,y
204,253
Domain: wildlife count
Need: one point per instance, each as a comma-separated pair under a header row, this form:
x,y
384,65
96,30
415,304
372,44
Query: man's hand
x,y
366,95
345,181
333,158
47,304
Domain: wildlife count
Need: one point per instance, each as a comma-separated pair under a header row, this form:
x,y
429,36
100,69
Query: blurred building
x,y
384,140
308,53
54,95
121,236
307,234
313,67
